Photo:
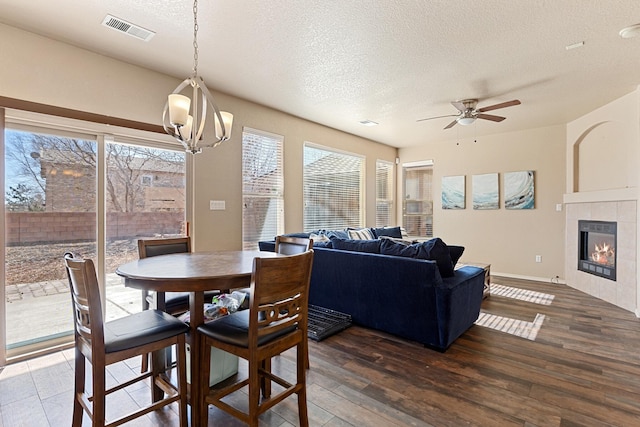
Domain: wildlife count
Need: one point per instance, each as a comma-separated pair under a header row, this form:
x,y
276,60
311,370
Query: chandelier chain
x,y
195,38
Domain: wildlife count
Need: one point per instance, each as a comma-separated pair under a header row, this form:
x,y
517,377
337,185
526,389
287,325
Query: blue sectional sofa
x,y
400,295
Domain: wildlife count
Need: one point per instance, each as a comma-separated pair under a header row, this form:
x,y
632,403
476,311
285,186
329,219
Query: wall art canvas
x,y
485,191
453,196
519,192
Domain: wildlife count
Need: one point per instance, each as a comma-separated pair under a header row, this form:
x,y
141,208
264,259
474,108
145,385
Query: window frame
x,y
420,206
69,123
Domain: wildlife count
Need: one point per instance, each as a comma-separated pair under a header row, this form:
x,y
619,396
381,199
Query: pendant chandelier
x,y
184,117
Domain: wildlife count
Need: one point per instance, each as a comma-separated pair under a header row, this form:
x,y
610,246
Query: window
x,y
417,216
333,193
384,193
262,187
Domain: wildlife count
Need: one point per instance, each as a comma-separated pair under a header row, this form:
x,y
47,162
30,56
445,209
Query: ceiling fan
x,y
468,113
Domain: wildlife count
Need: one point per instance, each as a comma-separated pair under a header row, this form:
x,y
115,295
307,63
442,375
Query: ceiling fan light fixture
x,y
466,121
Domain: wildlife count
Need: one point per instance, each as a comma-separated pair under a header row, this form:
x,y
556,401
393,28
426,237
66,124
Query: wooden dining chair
x,y
275,322
102,344
288,245
174,303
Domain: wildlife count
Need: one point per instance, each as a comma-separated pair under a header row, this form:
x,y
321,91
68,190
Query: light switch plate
x,y
216,205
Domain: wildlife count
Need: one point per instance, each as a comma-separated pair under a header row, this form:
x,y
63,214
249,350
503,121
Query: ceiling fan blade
x,y
452,124
437,117
459,105
496,106
491,117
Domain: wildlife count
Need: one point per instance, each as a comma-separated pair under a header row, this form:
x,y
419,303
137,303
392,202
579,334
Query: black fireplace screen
x,y
597,254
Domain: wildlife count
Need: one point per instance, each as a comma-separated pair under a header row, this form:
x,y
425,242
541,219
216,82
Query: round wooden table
x,y
195,273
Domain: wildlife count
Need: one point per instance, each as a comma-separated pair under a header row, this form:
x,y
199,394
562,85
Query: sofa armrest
x,y
458,303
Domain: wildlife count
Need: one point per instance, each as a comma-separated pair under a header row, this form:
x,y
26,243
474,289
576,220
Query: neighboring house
x,y
137,185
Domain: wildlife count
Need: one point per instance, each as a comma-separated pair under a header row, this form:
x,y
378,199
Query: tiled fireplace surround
x,y
622,292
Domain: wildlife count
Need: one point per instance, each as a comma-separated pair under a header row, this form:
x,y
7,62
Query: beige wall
x,y
603,178
603,147
508,239
45,71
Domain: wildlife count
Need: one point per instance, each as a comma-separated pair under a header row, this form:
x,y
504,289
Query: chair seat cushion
x,y
139,329
234,329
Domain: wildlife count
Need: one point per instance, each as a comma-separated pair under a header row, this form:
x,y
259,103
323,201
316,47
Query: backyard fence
x,y
24,228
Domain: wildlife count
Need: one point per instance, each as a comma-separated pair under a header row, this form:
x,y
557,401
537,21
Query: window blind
x,y
384,193
262,187
333,193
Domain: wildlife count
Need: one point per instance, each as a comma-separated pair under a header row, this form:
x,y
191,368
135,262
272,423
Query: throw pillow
x,y
456,253
360,234
341,234
390,247
388,231
368,246
318,237
436,250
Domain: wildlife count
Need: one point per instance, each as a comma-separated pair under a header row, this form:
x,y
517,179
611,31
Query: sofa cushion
x,y
436,250
387,231
456,253
361,234
391,247
323,244
397,240
368,246
302,235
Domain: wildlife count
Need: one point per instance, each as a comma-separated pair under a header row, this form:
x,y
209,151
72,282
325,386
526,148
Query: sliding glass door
x,y
50,208
93,195
144,197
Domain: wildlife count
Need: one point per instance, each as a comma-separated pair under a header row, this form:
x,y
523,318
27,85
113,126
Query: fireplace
x,y
597,248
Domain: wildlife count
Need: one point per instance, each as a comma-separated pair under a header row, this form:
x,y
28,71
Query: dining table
x,y
195,273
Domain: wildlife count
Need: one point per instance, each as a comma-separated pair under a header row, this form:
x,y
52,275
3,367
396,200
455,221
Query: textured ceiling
x,y
338,62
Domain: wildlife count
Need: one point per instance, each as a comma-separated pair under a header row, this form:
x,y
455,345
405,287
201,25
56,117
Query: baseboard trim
x,y
552,280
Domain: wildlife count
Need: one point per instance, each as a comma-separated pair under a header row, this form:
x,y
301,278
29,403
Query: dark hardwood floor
x,y
575,362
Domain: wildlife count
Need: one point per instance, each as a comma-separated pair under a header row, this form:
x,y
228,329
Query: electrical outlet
x,y
538,258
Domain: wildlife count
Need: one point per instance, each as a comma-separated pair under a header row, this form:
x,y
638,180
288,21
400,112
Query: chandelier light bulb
x,y
178,109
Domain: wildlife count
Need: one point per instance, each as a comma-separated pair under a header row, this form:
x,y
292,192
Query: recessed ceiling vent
x,y
127,28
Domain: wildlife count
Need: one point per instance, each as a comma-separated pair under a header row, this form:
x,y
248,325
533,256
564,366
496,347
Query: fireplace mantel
x,y
617,195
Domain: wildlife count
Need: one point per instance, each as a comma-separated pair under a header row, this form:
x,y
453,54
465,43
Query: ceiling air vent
x,y
127,28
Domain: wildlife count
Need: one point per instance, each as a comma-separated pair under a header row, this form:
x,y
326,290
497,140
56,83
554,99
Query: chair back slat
x,y
280,289
154,247
85,297
292,245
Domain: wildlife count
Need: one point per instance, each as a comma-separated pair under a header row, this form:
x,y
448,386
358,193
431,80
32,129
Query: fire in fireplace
x,y
597,254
